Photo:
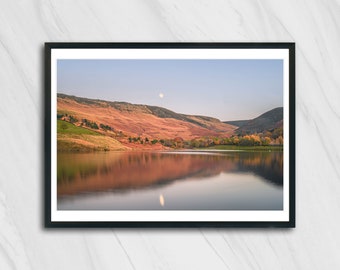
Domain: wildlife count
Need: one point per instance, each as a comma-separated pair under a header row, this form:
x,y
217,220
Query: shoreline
x,y
210,149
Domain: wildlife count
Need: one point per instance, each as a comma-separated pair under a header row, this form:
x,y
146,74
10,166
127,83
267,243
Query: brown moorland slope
x,y
142,120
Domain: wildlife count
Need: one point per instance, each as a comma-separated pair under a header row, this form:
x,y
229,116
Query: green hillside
x,y
71,138
64,127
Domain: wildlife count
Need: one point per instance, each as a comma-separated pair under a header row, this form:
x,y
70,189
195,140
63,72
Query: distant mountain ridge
x,y
267,121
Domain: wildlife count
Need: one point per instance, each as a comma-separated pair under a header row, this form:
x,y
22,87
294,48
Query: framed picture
x,y
170,135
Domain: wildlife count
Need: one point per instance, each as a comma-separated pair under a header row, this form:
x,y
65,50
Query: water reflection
x,y
145,174
161,200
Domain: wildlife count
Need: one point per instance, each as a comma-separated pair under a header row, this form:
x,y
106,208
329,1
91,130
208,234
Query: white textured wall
x,y
313,25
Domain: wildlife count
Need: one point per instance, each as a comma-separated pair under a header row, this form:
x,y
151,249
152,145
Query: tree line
x,y
273,137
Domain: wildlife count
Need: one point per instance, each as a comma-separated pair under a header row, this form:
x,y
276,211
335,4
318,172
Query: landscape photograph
x,y
170,134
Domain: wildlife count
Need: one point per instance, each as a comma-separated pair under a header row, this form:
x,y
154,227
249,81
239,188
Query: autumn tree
x,y
265,141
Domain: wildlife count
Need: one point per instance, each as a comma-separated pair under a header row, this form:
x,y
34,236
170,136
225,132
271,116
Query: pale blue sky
x,y
225,89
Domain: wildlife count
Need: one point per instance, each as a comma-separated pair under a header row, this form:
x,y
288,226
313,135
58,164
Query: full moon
x,y
161,95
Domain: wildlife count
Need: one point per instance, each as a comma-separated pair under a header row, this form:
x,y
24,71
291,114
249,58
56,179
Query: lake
x,y
177,180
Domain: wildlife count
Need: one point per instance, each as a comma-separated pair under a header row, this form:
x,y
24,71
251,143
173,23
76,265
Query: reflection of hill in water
x,y
78,173
268,165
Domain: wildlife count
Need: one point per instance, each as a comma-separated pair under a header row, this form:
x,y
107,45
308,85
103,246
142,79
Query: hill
x,y
270,120
237,123
124,121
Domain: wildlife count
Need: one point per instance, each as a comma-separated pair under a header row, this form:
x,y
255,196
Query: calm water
x,y
170,181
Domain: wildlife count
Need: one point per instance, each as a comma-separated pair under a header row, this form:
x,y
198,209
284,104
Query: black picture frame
x,y
49,98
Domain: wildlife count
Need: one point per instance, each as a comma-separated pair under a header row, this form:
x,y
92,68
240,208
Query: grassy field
x,y
71,138
248,148
64,127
